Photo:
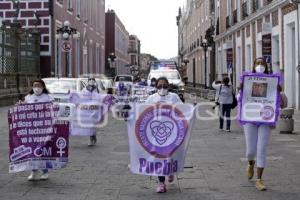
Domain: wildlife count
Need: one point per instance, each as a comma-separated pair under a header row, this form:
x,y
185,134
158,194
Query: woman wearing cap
x,y
257,135
163,96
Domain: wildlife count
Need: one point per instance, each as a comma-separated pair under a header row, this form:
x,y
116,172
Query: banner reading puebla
x,y
90,112
260,100
159,136
37,140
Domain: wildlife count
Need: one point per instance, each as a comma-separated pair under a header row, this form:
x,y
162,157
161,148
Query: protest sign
x,y
139,93
260,100
90,112
37,140
159,136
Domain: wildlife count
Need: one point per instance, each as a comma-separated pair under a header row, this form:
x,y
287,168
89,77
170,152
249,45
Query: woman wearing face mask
x,y
92,87
163,96
38,94
224,93
257,136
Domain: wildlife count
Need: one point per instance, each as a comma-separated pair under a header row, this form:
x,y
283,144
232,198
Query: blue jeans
x,y
225,110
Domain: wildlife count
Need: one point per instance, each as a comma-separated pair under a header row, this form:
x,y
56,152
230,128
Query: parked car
x,y
126,79
60,88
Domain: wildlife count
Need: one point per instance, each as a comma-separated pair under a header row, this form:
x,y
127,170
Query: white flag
x,y
159,136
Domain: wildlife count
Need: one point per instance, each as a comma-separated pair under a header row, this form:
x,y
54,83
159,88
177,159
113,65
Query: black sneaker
x,y
93,140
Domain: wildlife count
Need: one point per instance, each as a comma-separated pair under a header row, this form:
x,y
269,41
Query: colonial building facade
x,y
259,28
117,43
87,16
194,27
134,50
88,50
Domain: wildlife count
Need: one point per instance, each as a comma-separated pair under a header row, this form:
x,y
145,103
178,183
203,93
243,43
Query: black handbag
x,y
234,100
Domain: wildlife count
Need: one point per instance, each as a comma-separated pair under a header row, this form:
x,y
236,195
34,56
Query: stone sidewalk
x,y
214,169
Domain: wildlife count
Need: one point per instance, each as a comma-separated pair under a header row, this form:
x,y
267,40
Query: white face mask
x,y
37,91
92,83
260,69
162,92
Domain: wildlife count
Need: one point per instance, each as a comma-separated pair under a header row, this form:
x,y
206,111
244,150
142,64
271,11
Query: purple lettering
x,y
158,166
150,167
167,168
143,163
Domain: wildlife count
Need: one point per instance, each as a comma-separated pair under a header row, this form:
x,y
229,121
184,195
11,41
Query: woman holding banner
x,y
92,87
38,94
162,95
257,133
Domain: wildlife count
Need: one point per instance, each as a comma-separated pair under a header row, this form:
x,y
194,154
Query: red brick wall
x,y
27,18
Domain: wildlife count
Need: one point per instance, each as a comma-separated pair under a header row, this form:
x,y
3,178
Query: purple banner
x,y
259,101
36,139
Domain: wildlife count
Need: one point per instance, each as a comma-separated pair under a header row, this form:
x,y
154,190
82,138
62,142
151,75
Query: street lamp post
x,y
66,31
185,61
204,44
111,58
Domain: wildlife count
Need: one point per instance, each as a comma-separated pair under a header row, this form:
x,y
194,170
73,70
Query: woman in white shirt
x,y
163,96
38,94
224,96
257,135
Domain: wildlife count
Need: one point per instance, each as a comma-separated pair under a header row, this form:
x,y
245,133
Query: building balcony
x,y
228,24
255,5
132,51
234,17
267,1
218,26
244,10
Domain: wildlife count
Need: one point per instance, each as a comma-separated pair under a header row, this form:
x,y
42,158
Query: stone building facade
x,y
193,22
117,43
247,28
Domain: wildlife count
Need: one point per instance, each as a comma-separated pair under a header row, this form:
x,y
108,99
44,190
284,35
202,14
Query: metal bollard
x,y
286,121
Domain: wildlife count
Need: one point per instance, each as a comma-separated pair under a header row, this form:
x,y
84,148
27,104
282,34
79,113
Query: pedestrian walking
x,y
224,98
257,135
90,89
38,94
163,96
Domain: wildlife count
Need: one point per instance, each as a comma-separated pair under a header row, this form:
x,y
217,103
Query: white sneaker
x,y
34,176
44,176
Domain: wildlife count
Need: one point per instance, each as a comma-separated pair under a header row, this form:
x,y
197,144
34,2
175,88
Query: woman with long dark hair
x,y
257,135
38,94
163,95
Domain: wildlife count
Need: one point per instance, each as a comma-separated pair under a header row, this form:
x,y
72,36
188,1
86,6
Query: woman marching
x,y
257,135
163,96
38,94
224,96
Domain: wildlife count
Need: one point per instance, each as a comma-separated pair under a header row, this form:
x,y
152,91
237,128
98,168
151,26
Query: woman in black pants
x,y
224,97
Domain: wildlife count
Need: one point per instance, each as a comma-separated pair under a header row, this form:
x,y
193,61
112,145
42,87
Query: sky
x,y
152,21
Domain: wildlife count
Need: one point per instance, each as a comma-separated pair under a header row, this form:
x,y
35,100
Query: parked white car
x,y
60,88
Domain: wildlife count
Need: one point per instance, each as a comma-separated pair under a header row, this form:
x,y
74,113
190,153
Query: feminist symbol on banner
x,y
61,144
161,131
